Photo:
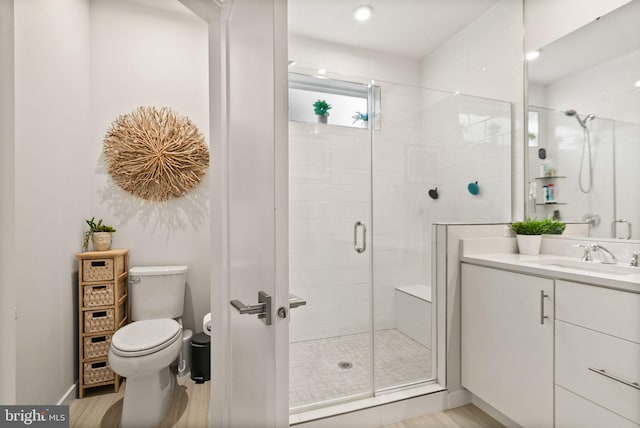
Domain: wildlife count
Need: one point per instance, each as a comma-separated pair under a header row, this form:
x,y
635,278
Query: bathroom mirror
x,y
584,93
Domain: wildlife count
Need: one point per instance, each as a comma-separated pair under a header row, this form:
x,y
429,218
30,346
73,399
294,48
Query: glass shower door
x,y
330,263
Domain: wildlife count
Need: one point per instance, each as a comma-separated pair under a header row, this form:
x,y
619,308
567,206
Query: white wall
x,y
485,59
7,208
606,90
360,64
151,54
52,190
78,65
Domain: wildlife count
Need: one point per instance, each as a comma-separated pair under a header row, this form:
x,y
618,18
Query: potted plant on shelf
x,y
529,233
321,109
100,235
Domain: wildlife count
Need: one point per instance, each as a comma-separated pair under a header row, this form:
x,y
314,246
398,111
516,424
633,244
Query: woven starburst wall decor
x,y
155,154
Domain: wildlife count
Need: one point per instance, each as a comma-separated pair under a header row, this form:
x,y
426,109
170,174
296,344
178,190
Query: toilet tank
x,y
157,291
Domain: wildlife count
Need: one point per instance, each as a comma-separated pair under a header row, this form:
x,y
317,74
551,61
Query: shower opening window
x,y
348,100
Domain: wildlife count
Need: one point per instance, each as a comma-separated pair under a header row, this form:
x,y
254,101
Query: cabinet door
x,y
507,345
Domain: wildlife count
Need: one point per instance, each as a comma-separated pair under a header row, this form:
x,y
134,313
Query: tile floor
x,y
315,375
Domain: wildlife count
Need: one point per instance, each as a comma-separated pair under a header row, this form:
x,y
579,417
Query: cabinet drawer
x,y
573,411
96,346
97,372
97,321
609,311
97,295
579,349
97,269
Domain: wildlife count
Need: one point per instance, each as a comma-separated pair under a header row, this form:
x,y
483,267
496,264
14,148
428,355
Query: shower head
x,y
582,122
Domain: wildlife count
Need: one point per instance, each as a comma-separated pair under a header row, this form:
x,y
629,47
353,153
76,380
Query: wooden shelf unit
x,y
103,307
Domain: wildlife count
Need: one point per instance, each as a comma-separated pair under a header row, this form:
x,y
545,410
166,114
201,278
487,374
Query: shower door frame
x,y
431,383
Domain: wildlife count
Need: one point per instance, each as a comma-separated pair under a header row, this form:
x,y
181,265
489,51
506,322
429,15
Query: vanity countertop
x,y
562,267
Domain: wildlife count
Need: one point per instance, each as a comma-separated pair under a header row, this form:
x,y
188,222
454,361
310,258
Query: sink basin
x,y
616,269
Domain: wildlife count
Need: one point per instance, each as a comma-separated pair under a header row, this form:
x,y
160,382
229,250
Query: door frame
x,y
229,47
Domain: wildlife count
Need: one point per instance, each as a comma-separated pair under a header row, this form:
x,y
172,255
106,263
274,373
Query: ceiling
x,y
412,28
611,36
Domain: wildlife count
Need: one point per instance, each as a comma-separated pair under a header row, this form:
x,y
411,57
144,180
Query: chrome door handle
x,y
262,308
356,226
295,301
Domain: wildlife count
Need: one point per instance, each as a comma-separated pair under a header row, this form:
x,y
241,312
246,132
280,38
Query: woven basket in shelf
x,y
95,321
98,372
97,270
98,295
97,346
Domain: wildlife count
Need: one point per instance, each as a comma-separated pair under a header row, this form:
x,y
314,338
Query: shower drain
x,y
345,365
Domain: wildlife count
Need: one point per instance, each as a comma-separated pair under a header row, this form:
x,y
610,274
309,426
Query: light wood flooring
x,y
190,407
468,416
102,409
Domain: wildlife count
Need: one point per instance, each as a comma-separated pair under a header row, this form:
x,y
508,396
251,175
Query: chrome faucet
x,y
603,259
634,258
586,256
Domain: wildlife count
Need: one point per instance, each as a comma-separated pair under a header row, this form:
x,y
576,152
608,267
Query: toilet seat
x,y
145,337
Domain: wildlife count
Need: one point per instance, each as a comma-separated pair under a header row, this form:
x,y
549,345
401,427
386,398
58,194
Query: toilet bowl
x,y
143,350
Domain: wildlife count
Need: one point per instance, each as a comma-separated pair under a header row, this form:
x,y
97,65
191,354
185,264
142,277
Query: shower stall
x,y
361,208
591,162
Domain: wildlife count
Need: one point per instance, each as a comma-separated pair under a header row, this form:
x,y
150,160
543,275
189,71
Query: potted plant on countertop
x,y
529,233
100,234
321,109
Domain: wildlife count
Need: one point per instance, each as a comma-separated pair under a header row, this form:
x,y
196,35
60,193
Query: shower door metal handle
x,y
262,308
356,246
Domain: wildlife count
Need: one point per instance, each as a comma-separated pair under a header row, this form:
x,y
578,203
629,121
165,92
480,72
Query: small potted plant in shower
x,y
321,109
529,233
100,235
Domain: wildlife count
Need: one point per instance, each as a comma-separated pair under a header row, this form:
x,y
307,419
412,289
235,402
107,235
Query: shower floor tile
x,y
315,374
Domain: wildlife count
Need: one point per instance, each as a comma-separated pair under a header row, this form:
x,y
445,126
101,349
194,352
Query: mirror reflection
x,y
584,126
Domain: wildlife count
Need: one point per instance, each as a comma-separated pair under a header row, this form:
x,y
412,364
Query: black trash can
x,y
200,358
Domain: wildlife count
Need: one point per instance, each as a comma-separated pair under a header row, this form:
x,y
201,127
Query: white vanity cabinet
x,y
597,372
507,342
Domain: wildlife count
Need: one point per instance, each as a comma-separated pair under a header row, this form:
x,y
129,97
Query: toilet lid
x,y
145,337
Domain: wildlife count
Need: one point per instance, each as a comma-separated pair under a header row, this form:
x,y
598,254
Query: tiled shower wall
x,y
426,140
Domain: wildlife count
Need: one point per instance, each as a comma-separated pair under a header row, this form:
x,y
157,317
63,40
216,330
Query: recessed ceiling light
x,y
292,62
363,13
322,71
637,84
532,55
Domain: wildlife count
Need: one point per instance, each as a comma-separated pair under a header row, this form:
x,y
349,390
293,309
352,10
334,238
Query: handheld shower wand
x,y
586,144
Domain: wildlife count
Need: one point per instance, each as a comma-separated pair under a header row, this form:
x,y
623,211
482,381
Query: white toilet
x,y
143,350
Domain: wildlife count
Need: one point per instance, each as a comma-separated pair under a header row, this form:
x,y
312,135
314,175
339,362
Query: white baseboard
x,y
458,398
68,396
493,412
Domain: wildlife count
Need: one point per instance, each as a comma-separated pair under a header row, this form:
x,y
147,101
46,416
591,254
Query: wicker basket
x,y
97,269
95,321
98,372
98,295
97,346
